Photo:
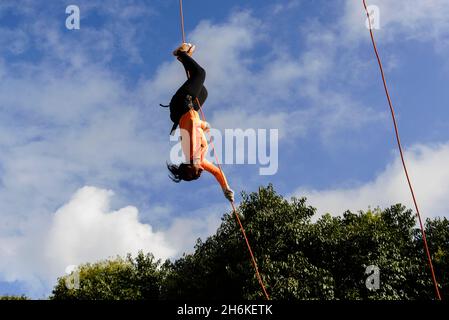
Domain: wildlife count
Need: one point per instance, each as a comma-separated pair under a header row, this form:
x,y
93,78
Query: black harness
x,y
176,113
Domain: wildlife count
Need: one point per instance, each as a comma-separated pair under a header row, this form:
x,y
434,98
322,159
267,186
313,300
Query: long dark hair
x,y
177,173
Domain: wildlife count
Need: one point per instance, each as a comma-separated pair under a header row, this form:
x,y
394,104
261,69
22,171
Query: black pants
x,y
194,87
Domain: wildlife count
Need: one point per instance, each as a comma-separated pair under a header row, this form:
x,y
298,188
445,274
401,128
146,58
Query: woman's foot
x,y
191,49
185,47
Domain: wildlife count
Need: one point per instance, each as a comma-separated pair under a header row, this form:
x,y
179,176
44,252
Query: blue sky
x,y
83,144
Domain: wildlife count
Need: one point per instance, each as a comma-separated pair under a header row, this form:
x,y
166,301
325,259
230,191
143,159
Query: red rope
x,y
426,247
253,260
259,278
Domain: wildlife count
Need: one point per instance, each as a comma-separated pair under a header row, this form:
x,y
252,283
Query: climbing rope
x,y
253,260
426,247
181,13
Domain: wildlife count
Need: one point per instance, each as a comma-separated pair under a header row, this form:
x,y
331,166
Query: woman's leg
x,y
194,86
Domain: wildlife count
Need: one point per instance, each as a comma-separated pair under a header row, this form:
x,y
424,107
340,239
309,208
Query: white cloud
x,y
286,5
85,229
13,41
430,177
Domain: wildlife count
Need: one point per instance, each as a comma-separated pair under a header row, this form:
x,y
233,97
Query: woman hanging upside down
x,y
184,108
